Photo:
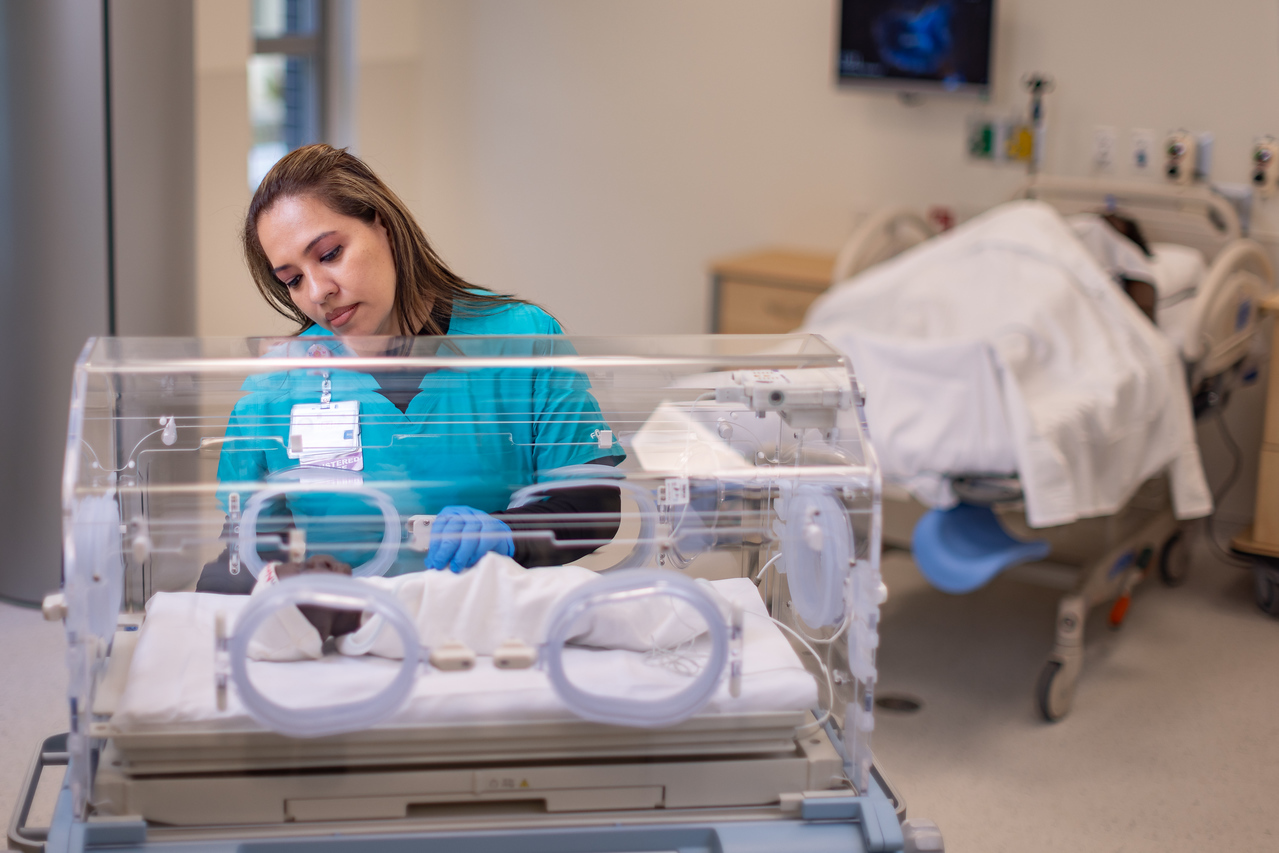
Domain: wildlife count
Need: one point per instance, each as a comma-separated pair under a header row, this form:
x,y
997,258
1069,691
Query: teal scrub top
x,y
469,436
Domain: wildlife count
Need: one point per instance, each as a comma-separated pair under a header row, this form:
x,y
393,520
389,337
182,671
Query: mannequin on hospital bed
x,y
1003,345
1159,277
1119,246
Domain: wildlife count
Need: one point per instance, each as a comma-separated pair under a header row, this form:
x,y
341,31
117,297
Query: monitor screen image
x,y
916,44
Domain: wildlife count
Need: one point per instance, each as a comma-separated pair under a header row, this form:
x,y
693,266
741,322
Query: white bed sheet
x,y
1177,270
1003,346
170,687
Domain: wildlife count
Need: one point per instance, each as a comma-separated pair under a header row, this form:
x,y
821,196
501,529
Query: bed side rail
x,y
1193,216
1226,315
881,236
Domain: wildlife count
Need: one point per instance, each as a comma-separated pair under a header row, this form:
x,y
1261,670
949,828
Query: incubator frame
x,y
754,452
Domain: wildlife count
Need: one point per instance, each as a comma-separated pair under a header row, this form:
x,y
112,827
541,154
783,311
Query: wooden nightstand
x,y
766,292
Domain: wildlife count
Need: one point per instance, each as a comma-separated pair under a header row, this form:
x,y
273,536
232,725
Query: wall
x,y
378,116
153,165
71,270
227,303
388,116
594,156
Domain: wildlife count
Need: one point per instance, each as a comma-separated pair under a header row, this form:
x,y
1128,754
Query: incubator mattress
x,y
170,686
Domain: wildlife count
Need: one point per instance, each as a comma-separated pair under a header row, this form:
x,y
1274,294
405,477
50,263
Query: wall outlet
x,y
1105,141
1143,149
1203,155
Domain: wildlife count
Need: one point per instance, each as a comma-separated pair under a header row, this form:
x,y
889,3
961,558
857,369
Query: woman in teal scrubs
x,y
332,247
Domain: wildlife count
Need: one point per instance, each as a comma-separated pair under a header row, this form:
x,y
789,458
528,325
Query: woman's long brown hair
x,y
349,187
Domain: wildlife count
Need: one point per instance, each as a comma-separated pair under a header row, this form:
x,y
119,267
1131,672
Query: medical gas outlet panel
x,y
1180,152
1265,166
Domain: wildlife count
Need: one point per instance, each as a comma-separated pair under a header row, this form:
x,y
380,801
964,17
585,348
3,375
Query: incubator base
x,y
159,754
484,792
694,805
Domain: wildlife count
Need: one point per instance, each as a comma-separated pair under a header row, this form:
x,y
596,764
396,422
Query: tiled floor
x,y
1173,742
33,684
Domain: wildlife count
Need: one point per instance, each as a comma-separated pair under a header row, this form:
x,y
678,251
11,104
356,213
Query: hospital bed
x,y
703,681
1209,315
1213,328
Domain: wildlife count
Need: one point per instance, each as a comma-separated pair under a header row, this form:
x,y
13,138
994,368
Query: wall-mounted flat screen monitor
x,y
916,45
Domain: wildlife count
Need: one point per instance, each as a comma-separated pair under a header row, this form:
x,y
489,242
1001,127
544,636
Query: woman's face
x,y
338,269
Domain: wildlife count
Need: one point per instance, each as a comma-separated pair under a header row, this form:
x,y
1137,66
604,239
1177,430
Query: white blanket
x,y
171,679
1003,346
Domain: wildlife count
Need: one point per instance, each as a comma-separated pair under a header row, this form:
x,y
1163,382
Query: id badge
x,y
326,435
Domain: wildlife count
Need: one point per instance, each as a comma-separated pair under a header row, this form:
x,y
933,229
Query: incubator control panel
x,y
805,398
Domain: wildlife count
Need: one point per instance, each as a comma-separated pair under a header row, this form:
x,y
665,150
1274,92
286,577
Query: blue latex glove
x,y
460,535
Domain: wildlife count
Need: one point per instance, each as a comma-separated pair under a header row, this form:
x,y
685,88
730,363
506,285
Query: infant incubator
x,y
674,648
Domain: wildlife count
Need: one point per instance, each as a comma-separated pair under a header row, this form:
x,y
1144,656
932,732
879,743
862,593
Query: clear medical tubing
x,y
816,545
619,588
375,567
642,554
340,593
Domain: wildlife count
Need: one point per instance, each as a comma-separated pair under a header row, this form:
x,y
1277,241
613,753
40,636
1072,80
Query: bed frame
x,y
1101,560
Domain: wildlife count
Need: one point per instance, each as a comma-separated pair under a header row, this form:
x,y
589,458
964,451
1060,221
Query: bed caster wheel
x,y
1055,691
921,836
1174,560
1265,583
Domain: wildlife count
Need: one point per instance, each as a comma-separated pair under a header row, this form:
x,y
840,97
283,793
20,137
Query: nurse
x,y
330,246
